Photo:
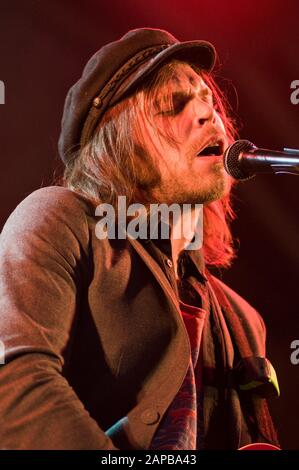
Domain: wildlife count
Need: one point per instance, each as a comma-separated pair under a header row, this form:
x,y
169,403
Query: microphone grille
x,y
231,159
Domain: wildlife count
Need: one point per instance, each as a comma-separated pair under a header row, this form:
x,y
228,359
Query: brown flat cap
x,y
114,71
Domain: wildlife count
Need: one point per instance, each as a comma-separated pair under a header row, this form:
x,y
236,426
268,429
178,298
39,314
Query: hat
x,y
113,72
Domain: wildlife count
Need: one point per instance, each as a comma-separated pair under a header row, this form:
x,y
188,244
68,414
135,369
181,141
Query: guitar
x,y
259,446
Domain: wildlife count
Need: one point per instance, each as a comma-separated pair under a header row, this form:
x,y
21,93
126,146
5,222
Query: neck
x,y
183,229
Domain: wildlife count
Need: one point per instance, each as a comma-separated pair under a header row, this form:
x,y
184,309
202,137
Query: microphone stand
x,y
278,162
289,170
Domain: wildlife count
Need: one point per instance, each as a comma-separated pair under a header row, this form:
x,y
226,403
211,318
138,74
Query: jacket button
x,y
150,416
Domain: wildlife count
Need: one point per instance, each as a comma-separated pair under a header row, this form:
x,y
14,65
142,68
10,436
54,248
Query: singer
x,y
123,343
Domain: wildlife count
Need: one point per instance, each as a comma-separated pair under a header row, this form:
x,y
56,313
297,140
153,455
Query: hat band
x,y
101,102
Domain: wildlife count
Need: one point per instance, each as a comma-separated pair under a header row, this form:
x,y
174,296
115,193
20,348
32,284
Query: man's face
x,y
185,175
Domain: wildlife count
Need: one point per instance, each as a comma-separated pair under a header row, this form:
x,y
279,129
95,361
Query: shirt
x,y
182,425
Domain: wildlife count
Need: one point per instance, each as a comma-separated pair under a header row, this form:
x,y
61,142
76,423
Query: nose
x,y
204,113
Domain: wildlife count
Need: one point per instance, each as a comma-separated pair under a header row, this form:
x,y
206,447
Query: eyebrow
x,y
205,92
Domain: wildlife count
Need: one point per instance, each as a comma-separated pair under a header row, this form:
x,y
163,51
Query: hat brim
x,y
199,53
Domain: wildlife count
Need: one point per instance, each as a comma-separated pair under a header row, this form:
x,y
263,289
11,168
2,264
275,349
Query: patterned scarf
x,y
245,414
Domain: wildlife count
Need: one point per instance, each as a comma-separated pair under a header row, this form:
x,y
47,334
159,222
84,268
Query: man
x,y
123,342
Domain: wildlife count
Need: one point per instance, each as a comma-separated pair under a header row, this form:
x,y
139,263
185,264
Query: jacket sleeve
x,y
42,247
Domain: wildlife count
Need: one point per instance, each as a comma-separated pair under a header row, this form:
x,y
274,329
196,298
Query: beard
x,y
153,187
217,186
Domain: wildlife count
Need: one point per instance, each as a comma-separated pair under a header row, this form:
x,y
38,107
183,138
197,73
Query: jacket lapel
x,y
156,271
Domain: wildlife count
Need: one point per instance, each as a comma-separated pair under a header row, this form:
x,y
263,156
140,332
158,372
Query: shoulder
x,y
55,213
54,198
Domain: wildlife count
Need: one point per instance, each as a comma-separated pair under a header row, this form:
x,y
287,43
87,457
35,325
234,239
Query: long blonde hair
x,y
108,167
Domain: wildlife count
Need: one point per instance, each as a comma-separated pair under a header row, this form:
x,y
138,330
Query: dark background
x,y
43,48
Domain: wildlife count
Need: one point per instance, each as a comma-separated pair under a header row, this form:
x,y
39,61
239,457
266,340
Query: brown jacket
x,y
91,328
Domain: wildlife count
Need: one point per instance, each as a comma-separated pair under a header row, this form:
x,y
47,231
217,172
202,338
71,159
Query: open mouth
x,y
212,150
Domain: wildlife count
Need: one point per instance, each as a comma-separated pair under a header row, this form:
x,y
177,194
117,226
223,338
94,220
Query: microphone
x,y
243,160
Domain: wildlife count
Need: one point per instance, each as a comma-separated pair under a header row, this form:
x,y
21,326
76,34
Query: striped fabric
x,y
179,428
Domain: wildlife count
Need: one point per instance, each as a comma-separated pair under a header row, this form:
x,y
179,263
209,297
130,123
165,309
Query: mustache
x,y
204,141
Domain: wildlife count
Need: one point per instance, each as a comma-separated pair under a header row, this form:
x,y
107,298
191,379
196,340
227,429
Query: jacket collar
x,y
190,262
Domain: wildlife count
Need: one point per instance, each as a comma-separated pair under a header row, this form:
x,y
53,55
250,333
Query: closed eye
x,y
179,101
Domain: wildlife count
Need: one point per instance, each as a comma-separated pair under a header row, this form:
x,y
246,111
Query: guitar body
x,y
259,446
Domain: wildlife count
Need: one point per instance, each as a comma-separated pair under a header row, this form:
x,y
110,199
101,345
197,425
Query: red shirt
x,y
180,427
